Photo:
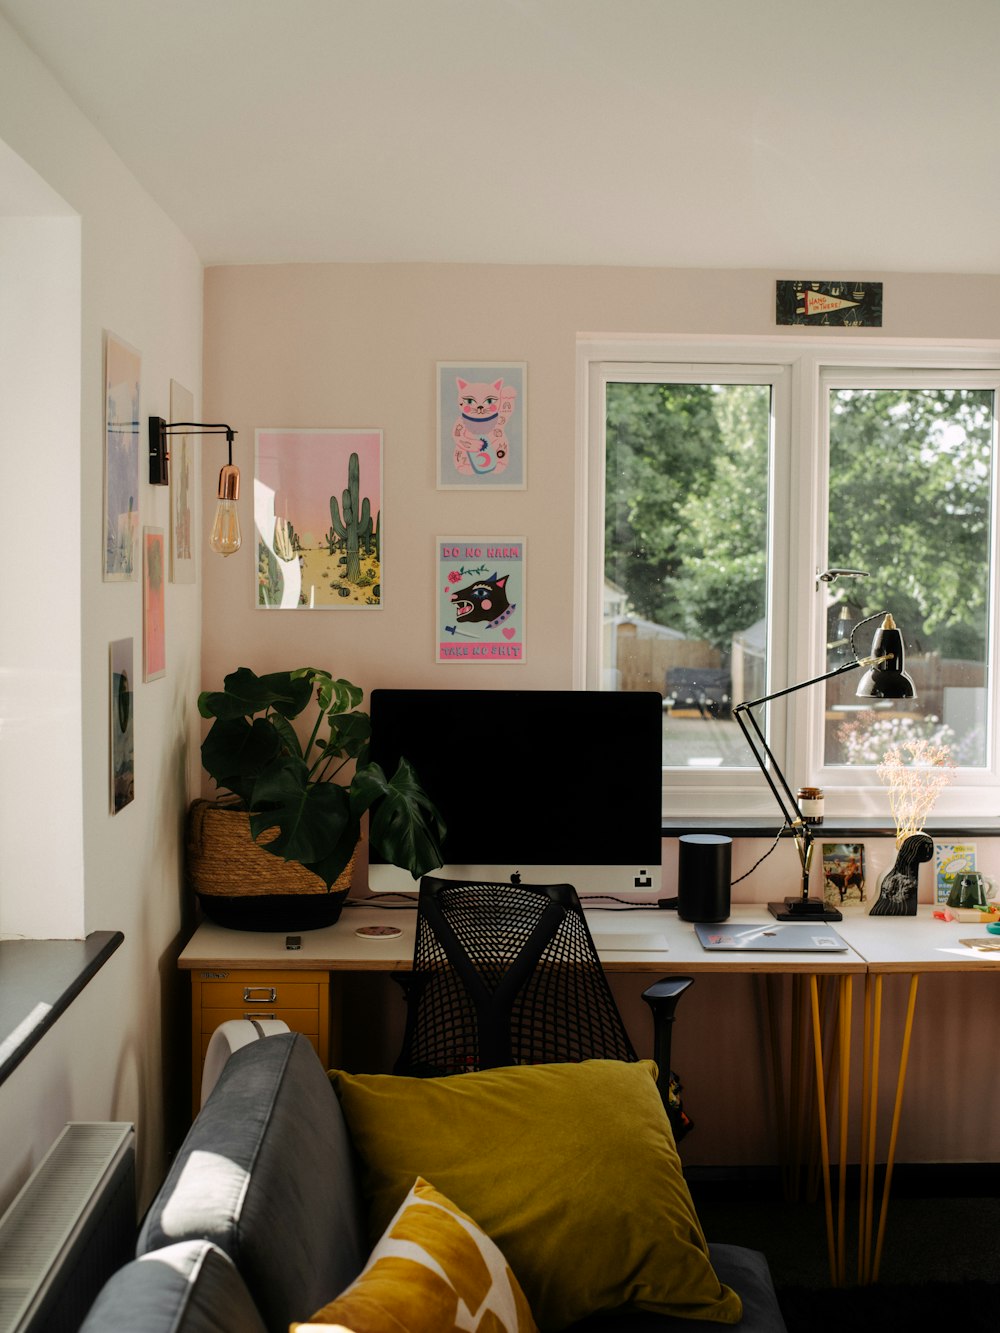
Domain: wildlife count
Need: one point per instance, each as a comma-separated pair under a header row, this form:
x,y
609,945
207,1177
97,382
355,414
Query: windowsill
x,y
867,826
39,980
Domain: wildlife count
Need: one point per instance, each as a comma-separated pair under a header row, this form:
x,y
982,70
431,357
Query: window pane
x,y
686,557
910,501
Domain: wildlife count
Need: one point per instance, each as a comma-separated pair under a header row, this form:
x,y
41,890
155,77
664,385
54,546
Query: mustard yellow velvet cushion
x,y
434,1271
570,1168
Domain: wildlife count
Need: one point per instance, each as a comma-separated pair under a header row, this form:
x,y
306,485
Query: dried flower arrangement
x,y
915,771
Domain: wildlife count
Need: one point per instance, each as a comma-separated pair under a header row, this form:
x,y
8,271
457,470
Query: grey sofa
x,y
260,1220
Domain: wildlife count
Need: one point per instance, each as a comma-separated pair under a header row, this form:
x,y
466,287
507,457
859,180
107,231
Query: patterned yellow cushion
x,y
570,1168
433,1271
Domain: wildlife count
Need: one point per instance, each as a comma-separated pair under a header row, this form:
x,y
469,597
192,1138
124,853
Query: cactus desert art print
x,y
318,519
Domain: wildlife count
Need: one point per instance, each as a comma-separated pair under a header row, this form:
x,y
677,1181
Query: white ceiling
x,y
808,136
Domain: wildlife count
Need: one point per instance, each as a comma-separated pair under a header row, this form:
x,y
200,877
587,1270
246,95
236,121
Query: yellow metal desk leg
x,y
904,1056
824,1138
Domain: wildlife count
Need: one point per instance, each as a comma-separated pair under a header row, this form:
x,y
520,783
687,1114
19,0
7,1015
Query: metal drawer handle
x,y
255,1017
260,994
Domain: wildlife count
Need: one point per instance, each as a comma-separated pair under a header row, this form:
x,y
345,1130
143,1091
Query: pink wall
x,y
356,346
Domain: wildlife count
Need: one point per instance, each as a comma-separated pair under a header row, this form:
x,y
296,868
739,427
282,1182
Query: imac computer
x,y
536,786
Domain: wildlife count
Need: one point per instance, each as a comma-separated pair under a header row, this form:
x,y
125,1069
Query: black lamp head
x,y
885,677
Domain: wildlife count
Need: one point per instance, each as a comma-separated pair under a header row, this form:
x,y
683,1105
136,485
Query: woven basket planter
x,y
246,888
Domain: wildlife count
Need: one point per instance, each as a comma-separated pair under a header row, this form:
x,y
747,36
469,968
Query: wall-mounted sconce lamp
x,y
225,538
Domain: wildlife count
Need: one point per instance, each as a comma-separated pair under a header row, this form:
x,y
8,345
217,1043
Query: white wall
x,y
117,1052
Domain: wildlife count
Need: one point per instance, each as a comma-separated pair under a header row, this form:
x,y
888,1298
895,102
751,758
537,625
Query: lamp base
x,y
804,909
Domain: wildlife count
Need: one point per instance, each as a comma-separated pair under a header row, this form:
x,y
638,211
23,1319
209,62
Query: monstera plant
x,y
255,750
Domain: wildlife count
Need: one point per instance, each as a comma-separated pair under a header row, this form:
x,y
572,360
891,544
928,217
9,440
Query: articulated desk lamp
x,y
883,679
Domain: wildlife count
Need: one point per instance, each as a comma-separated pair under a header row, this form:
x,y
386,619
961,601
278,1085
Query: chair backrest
x,y
505,974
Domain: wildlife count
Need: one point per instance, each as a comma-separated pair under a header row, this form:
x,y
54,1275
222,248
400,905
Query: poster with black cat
x,y
480,601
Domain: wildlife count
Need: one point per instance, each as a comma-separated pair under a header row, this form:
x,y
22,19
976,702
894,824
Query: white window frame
x,y
801,370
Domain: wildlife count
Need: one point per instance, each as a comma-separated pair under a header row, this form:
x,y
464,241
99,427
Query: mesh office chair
x,y
509,974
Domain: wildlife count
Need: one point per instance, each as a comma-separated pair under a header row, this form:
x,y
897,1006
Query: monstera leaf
x,y
254,750
405,827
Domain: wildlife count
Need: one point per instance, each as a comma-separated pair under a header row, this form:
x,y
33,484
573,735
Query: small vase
x,y
898,889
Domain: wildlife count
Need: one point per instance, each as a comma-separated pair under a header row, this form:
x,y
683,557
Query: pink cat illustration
x,y
480,442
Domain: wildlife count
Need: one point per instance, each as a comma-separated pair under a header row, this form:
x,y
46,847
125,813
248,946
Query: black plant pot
x,y
279,912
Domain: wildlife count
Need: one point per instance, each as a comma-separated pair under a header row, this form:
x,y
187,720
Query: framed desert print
x,y
480,599
317,505
154,645
122,368
182,488
481,435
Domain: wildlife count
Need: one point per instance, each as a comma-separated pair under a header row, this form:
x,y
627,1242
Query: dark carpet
x,y
940,1262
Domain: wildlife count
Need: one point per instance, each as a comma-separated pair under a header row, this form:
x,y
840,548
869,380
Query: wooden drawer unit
x,y
300,999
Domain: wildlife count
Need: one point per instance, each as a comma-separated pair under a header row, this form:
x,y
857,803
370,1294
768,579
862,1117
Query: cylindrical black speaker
x,y
704,870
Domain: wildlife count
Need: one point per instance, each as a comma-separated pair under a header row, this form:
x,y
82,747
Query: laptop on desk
x,y
773,936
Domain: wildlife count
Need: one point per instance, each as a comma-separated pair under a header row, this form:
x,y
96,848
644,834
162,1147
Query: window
x,y
721,483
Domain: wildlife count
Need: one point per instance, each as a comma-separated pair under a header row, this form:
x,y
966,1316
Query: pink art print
x,y
481,426
154,640
480,599
318,519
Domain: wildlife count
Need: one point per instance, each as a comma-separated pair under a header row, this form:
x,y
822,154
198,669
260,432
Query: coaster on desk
x,y
378,932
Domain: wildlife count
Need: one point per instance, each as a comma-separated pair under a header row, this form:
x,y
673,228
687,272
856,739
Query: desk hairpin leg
x,y
869,1262
835,1235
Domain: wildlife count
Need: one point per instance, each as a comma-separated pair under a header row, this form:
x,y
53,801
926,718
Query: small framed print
x,y
182,488
481,432
154,630
480,599
122,695
122,366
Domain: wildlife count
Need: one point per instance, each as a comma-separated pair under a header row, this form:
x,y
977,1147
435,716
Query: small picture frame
x,y
183,478
480,600
122,371
482,437
154,629
843,873
121,680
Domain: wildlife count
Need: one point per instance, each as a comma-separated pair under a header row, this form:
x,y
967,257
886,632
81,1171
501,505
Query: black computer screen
x,y
560,783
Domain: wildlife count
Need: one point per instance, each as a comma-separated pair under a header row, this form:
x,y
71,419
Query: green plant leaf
x,y
405,827
235,753
349,734
246,693
316,824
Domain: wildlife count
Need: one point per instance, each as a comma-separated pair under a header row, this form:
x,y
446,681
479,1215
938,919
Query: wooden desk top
x,y
917,944
338,949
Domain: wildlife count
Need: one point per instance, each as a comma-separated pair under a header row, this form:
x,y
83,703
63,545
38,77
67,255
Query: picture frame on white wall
x,y
482,437
154,627
318,519
182,488
480,600
122,377
121,681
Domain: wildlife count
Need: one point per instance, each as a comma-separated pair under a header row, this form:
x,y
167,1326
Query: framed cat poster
x,y
480,599
481,433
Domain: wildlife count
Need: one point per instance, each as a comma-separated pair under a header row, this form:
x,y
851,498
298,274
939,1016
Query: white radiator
x,y
68,1229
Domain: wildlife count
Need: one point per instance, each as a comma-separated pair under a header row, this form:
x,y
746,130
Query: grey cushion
x,y
187,1288
744,1270
266,1173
